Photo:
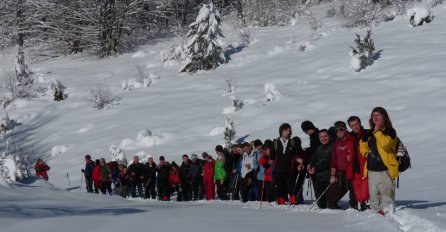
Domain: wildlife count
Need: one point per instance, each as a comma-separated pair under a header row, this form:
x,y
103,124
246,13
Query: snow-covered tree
x,y
362,53
204,49
229,132
118,154
419,15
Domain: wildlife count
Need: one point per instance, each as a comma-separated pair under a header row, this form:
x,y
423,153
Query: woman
x,y
41,169
106,174
378,147
267,162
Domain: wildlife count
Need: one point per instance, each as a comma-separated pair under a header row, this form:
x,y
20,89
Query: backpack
x,y
402,156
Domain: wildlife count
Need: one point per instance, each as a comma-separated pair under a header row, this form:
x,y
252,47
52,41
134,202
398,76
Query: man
x,y
360,181
135,171
149,178
313,132
106,173
319,168
195,171
285,154
88,172
186,185
236,167
259,170
41,169
163,179
247,172
341,167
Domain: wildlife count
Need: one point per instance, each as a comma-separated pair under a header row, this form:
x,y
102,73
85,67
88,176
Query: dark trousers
x,y
123,191
235,187
163,190
283,184
246,188
268,190
89,184
196,185
106,186
221,191
338,190
149,190
186,188
298,184
136,184
320,184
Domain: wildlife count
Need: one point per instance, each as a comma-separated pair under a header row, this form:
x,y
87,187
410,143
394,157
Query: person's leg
x,y
387,190
374,193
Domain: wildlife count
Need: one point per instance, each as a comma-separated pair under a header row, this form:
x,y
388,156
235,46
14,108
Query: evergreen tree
x,y
204,50
364,51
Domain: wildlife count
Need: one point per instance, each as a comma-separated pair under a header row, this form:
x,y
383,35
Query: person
x,y
285,153
267,163
220,176
341,168
247,173
236,168
208,177
219,150
88,173
123,181
163,179
313,133
259,170
195,171
135,171
96,176
149,178
379,146
41,169
186,181
106,174
174,180
360,182
319,168
299,171
114,175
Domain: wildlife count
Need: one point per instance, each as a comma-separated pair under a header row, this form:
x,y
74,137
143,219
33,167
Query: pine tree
x,y
204,50
229,132
364,50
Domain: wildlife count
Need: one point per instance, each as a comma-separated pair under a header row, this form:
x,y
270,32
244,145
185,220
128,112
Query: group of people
x,y
361,162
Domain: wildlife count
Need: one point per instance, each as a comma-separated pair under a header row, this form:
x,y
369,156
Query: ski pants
x,y
382,191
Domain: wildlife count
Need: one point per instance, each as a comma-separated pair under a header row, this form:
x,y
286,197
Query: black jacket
x,y
195,171
89,167
283,160
184,172
149,172
163,172
321,160
135,171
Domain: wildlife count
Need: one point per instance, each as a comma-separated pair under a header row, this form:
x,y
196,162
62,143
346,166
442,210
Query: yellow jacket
x,y
387,150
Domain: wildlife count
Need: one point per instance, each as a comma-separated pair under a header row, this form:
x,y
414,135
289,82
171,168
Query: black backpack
x,y
402,156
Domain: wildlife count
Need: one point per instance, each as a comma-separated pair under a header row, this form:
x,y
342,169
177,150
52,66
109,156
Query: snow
x,y
419,13
317,85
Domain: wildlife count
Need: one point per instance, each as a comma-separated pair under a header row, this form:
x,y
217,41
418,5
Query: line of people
x,y
361,162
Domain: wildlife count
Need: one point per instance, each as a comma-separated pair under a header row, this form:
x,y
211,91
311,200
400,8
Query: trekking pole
x,y
82,183
69,183
311,188
261,194
323,193
294,188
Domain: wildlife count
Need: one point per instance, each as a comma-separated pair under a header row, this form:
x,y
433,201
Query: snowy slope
x,y
181,111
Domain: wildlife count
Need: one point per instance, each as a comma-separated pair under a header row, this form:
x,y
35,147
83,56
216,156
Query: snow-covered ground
x,y
185,113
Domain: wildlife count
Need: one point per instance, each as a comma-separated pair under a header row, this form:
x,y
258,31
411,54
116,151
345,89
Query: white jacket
x,y
247,159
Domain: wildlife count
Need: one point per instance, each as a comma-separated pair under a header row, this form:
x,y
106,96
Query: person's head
x,y
121,167
87,157
297,142
97,162
234,148
341,129
219,150
135,159
324,136
102,162
247,147
150,159
239,149
285,131
194,158
258,145
185,158
308,127
380,117
40,161
204,155
354,123
162,160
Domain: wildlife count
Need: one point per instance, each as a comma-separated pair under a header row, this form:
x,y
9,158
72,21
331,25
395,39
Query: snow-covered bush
x,y
230,87
14,161
58,90
118,154
204,49
246,36
6,124
237,103
419,15
362,53
102,97
174,52
271,92
229,132
8,168
23,77
143,79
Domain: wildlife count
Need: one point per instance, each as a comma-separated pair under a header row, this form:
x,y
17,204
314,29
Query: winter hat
x,y
257,143
185,155
162,158
194,157
307,125
219,148
88,157
340,124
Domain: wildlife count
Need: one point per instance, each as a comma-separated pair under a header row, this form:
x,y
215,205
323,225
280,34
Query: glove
x,y
82,170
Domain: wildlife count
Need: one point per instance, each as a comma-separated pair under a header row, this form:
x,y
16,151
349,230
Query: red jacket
x,y
208,171
268,171
341,149
41,170
97,176
174,176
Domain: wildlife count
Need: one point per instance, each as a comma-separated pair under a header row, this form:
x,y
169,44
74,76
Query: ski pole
x,y
82,182
311,188
261,194
323,193
69,183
